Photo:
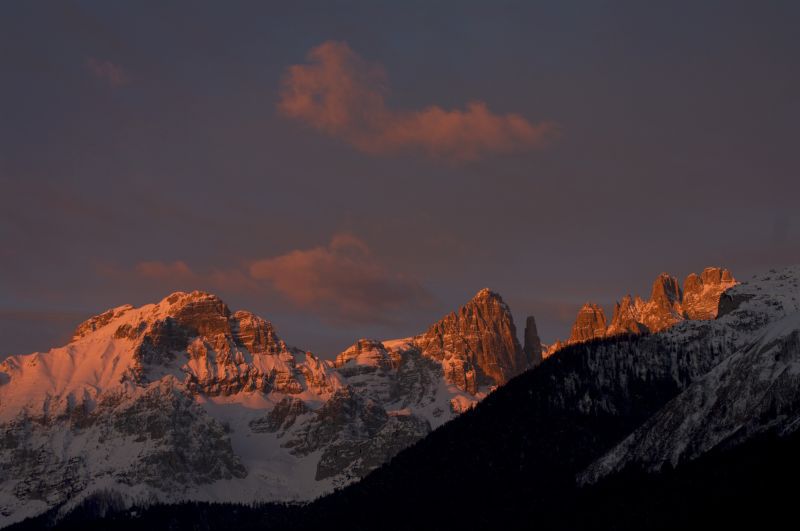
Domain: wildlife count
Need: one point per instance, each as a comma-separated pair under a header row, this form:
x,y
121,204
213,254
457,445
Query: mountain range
x,y
472,430
185,399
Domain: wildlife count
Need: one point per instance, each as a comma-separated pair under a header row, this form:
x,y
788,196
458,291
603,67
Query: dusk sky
x,y
359,169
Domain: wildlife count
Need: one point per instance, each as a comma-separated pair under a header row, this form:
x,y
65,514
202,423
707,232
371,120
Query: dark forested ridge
x,y
751,486
508,460
511,462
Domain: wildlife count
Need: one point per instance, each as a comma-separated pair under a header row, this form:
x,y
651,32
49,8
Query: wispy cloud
x,y
342,281
163,276
164,270
339,93
105,70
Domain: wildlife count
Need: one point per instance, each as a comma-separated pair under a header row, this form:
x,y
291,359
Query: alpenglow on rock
x,y
590,324
753,389
667,306
477,346
701,293
185,399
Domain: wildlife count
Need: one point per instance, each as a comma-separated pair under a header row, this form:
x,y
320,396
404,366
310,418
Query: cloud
x,y
164,270
340,94
113,74
342,282
178,275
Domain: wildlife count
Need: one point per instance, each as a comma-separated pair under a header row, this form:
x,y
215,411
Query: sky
x,y
360,169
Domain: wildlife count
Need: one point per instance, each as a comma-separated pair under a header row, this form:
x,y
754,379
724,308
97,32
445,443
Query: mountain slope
x,y
511,462
667,306
513,459
185,399
755,390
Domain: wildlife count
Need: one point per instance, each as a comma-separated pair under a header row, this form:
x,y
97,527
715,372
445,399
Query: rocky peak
x,y
701,293
717,275
666,292
486,293
219,352
664,307
99,321
627,317
365,352
668,305
533,344
183,316
256,334
200,313
590,324
477,345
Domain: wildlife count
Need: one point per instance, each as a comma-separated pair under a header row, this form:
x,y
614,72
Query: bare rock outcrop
x,y
664,307
590,324
477,345
701,293
667,306
627,318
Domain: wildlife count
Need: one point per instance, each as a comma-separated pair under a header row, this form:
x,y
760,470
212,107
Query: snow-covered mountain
x,y
754,388
185,399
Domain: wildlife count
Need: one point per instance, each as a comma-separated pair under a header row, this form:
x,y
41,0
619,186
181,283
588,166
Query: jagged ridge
x,y
185,399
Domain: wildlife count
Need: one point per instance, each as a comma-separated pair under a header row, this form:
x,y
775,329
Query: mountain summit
x,y
185,399
477,345
667,306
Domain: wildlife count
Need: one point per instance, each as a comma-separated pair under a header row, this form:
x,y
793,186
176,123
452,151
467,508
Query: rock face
x,y
753,389
667,306
627,318
664,307
532,343
185,399
477,345
701,294
590,324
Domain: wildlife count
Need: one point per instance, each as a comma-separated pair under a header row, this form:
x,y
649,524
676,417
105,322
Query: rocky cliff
x,y
590,324
185,399
752,391
667,306
701,293
477,346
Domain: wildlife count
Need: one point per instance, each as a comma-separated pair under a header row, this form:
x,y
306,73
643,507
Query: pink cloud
x,y
340,94
178,275
164,270
111,73
342,281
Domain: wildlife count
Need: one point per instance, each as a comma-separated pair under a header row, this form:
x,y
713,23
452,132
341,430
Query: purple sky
x,y
351,169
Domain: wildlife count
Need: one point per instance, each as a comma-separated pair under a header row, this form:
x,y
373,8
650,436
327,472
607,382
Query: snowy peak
x,y
367,353
98,321
203,308
244,415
